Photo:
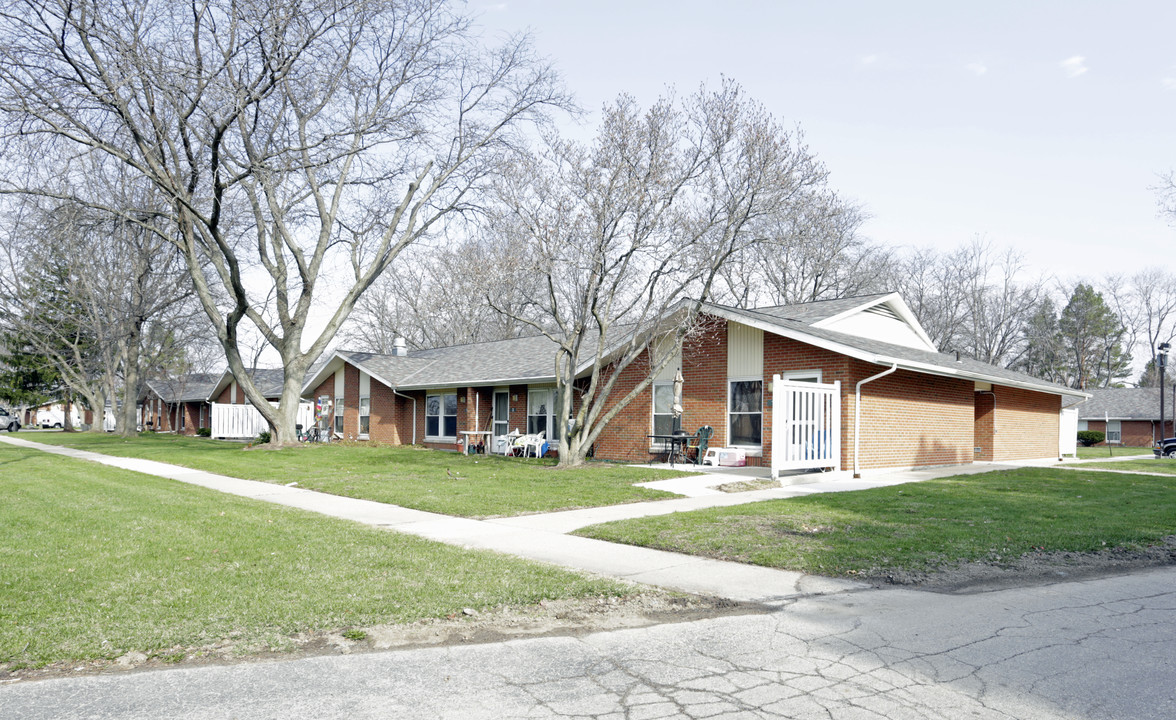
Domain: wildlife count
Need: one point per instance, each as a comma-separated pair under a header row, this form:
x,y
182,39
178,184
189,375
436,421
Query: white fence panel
x,y
806,425
244,421
1068,432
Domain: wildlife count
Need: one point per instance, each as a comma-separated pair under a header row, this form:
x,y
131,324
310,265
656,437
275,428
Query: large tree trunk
x,y
67,421
126,423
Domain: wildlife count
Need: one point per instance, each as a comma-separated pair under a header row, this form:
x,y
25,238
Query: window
x,y
538,411
183,416
365,415
441,416
1114,431
339,415
663,404
745,412
202,417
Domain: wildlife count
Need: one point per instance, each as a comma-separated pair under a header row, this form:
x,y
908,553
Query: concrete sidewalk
x,y
675,571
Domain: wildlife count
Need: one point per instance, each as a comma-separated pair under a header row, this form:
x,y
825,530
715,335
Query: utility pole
x,y
1162,363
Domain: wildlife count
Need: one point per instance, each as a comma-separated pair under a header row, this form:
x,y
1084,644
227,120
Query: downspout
x,y
406,397
857,414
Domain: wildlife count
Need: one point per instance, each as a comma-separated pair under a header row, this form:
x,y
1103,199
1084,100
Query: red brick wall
x,y
1135,433
1027,424
909,419
224,397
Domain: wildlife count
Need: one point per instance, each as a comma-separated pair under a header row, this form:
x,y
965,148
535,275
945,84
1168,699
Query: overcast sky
x,y
1041,125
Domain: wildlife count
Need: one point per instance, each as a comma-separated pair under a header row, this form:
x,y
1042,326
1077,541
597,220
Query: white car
x,y
8,422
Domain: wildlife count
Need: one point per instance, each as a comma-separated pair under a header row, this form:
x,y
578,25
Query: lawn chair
x,y
699,443
536,443
525,444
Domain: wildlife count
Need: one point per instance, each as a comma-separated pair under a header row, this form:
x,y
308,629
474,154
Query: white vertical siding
x,y
745,351
339,382
365,384
660,348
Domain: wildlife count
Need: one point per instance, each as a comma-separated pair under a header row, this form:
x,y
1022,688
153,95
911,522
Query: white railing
x,y
244,421
806,425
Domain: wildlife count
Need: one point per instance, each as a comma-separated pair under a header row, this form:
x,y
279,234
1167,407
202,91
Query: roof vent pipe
x,y
399,347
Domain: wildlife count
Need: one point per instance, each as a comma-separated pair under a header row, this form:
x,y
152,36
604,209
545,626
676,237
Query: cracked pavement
x,y
1093,649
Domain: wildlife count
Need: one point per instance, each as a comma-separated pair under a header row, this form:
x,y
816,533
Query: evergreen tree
x,y
1092,335
1043,354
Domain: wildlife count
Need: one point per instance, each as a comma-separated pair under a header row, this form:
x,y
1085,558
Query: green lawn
x,y
1152,465
443,482
921,526
96,562
1094,453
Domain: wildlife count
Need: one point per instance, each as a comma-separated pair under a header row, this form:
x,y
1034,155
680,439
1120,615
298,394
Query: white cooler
x,y
725,457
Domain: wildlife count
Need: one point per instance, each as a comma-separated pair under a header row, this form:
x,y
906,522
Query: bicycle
x,y
314,434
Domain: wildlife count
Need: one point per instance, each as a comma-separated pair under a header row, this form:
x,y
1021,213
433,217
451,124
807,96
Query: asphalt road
x,y
1096,649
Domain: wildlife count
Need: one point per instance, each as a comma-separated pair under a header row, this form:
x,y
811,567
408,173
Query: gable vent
x,y
885,311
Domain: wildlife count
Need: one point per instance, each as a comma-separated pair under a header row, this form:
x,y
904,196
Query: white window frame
x,y
338,415
553,431
655,445
441,415
753,449
365,402
1114,437
802,376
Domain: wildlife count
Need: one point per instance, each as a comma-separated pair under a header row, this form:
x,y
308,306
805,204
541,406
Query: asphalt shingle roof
x,y
814,312
193,387
945,362
1122,404
533,358
515,360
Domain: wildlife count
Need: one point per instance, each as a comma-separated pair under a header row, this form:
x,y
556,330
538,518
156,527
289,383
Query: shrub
x,y
204,432
1090,437
263,437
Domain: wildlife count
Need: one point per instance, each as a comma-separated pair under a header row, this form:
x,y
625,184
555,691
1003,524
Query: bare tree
x,y
628,236
817,253
437,296
107,302
290,139
1146,305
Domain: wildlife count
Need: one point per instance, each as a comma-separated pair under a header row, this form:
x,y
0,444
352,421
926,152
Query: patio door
x,y
501,427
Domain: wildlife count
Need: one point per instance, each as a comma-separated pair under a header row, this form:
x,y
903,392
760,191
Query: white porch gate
x,y
806,425
244,421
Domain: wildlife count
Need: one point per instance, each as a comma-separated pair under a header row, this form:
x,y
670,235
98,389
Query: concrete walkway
x,y
544,536
675,571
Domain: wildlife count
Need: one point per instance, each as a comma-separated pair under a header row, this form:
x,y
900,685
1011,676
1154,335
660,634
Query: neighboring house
x,y
1128,416
180,404
51,414
918,407
228,391
234,421
186,403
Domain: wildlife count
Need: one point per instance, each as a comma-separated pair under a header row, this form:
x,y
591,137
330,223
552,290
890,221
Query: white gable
x,y
887,319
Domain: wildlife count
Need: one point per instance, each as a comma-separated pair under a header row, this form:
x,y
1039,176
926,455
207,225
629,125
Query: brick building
x,y
917,407
1128,416
181,404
